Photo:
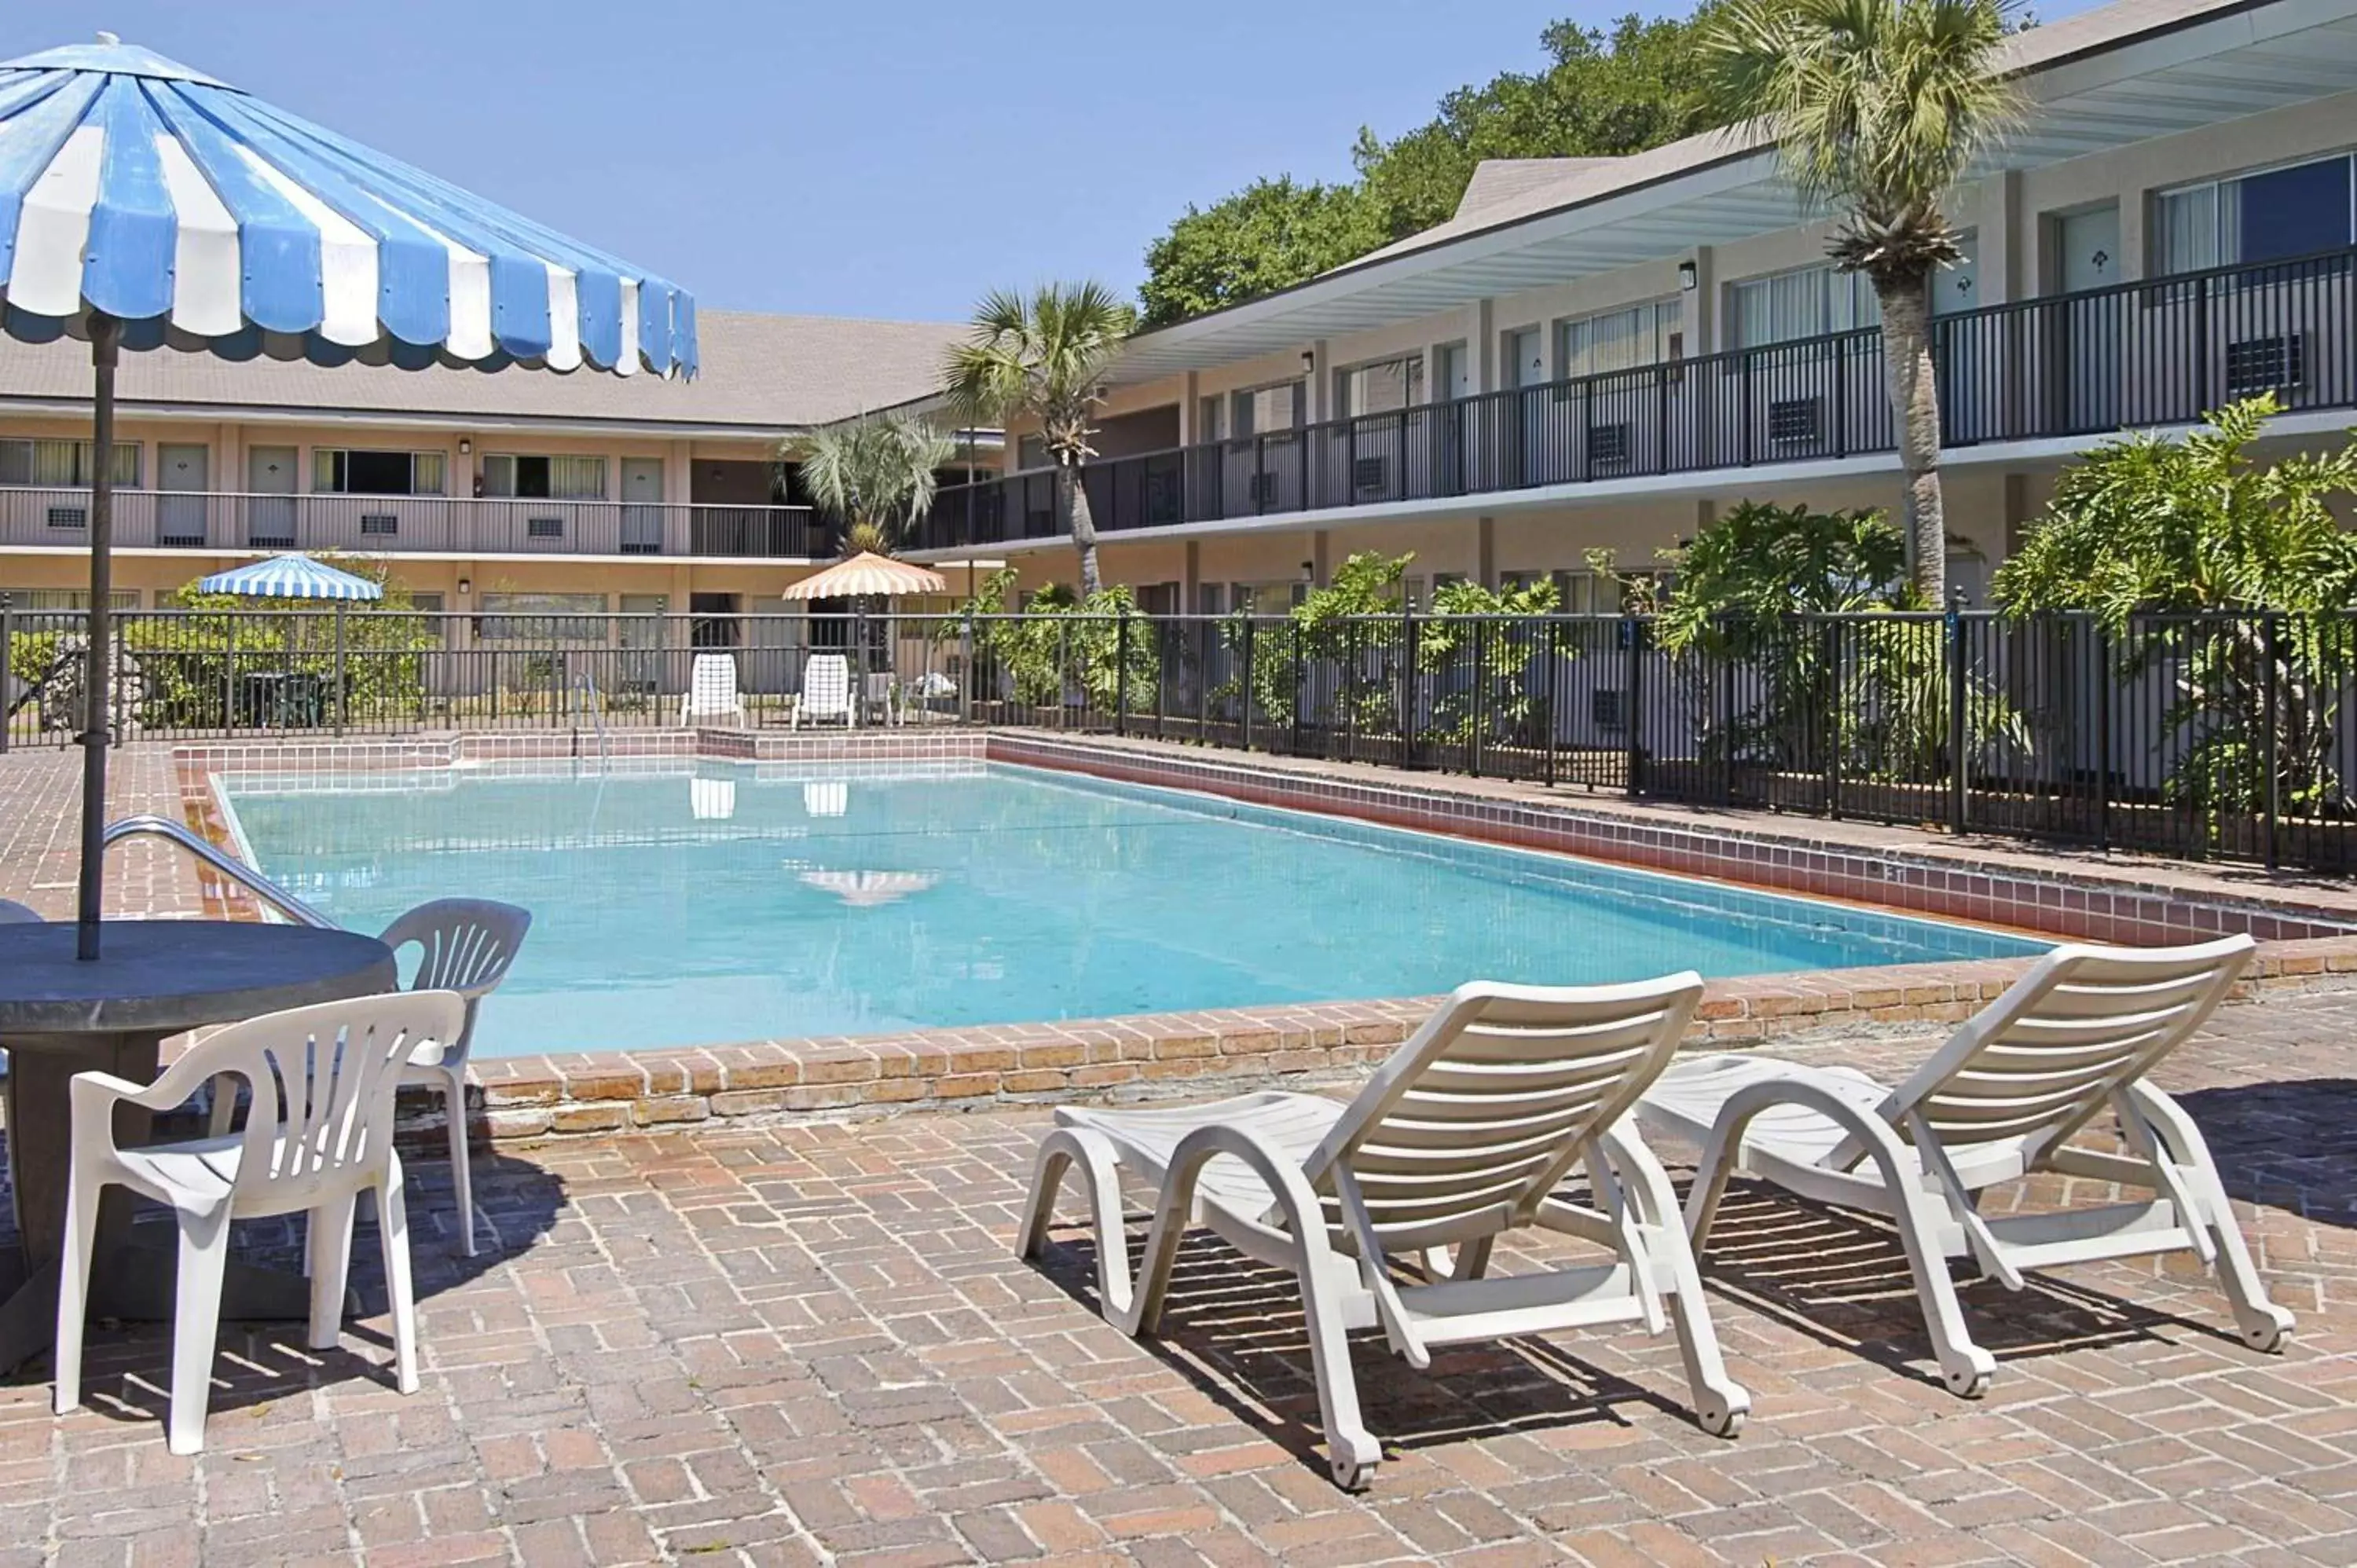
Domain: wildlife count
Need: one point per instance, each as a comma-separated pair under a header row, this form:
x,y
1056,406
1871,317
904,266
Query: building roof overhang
x,y
2127,73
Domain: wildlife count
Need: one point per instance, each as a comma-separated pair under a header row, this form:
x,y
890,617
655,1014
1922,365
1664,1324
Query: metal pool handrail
x,y
236,870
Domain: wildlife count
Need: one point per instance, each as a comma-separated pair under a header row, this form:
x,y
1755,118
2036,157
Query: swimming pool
x,y
740,904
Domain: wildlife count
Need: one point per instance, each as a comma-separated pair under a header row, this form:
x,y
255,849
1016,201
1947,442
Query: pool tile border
x,y
555,1096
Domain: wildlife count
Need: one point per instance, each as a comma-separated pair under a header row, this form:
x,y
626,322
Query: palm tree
x,y
1043,359
874,475
1879,107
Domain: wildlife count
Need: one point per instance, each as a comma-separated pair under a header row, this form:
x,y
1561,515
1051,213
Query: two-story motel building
x,y
1605,353
1590,353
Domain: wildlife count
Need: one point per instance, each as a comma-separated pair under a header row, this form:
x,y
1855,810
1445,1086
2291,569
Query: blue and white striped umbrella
x,y
294,576
143,204
201,217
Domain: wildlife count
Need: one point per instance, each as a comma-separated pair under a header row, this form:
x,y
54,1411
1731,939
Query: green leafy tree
x,y
1044,358
1602,94
1751,592
2152,524
875,476
1061,647
1878,108
1270,235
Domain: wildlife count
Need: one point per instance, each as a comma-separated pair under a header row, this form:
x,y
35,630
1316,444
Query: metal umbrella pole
x,y
105,342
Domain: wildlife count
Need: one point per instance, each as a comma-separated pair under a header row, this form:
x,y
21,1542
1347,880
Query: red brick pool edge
x,y
2309,936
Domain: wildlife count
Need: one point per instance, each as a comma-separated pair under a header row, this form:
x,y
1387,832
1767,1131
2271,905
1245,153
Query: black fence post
x,y
1301,690
1251,651
1121,672
1835,689
1351,690
2102,654
1407,683
7,672
339,670
1548,650
1725,680
1958,787
1632,718
2274,731
1479,709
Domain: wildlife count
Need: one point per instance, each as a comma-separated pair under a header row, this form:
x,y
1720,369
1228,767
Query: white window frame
x,y
1664,340
2156,219
1412,375
1864,309
327,462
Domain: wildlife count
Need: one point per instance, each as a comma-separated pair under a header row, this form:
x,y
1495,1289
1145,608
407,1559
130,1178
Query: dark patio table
x,y
59,1017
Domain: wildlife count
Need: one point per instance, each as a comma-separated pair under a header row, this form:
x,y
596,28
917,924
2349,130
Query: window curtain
x,y
578,478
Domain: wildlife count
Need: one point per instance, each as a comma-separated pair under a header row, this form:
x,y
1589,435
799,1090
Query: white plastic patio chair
x,y
1466,1133
826,691
466,946
2074,1036
712,692
322,1082
13,914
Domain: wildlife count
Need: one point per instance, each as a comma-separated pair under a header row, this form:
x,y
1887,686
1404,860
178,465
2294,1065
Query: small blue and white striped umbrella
x,y
294,576
201,217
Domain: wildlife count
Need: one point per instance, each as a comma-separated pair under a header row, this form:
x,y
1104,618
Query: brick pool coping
x,y
2309,938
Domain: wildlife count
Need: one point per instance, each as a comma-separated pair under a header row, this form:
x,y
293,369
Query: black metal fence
x,y
2229,737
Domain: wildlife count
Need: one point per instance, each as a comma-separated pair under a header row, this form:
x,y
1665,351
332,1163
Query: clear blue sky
x,y
859,157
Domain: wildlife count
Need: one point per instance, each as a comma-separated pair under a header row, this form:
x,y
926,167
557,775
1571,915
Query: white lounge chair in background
x,y
712,692
826,691
1467,1132
2071,1040
321,1080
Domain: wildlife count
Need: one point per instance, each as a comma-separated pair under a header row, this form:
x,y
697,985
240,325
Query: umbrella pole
x,y
105,341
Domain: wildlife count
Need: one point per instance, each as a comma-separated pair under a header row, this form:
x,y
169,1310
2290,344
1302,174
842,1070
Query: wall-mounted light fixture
x,y
1308,361
465,446
1688,278
1309,570
466,586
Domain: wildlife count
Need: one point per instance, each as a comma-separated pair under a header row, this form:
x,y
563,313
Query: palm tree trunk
x,y
1072,501
1915,412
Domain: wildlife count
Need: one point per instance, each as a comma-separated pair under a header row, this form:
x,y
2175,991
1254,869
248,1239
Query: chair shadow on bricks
x,y
1234,1329
1842,1279
263,1373
2289,1144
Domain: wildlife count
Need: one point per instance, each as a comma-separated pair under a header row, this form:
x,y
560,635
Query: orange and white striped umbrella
x,y
869,576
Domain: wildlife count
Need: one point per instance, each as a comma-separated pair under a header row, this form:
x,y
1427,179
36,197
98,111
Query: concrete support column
x,y
1189,397
679,485
1321,384
1190,580
1485,552
1702,306
1482,338
2135,261
1318,577
2005,250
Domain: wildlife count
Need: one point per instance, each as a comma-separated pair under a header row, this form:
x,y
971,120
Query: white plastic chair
x,y
712,690
322,1082
466,946
826,691
1465,1134
13,914
2073,1037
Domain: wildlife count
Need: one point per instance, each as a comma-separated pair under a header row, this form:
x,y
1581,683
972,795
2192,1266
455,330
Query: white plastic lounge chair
x,y
2072,1038
712,692
1465,1134
322,1082
466,946
826,691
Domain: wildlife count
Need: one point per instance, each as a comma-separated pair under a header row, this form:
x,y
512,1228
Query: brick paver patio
x,y
810,1342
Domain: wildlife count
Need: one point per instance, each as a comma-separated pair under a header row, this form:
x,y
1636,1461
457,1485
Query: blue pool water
x,y
734,905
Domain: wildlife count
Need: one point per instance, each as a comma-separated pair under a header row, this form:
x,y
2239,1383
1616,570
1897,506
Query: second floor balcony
x,y
445,525
2152,352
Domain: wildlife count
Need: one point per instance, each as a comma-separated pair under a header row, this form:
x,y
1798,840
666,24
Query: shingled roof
x,y
760,373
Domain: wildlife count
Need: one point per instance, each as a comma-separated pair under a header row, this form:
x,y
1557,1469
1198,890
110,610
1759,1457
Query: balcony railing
x,y
2163,351
369,525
